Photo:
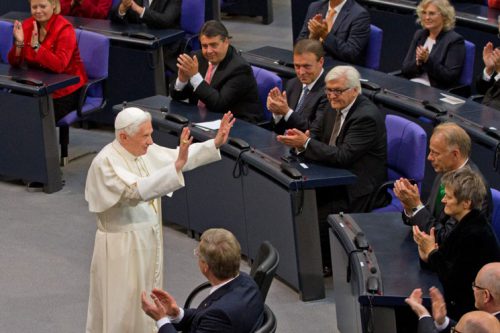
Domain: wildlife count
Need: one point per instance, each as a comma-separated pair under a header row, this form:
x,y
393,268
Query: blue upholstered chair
x,y
94,51
374,48
192,19
406,151
495,217
6,40
465,81
266,81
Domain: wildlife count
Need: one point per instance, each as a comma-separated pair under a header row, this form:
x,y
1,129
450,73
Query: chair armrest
x,y
396,73
461,90
196,291
382,190
188,42
476,98
267,124
84,91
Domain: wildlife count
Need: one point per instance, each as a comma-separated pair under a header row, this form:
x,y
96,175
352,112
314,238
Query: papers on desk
x,y
451,99
209,125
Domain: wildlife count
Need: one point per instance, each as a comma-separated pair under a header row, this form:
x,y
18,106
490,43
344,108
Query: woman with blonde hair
x,y
437,53
47,41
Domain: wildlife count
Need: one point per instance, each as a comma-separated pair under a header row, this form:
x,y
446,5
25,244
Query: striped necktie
x,y
302,98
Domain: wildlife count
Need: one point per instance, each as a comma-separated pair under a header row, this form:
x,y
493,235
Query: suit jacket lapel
x,y
341,17
434,192
216,295
352,110
295,94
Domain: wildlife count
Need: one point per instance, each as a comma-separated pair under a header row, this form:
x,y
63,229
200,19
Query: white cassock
x,y
128,252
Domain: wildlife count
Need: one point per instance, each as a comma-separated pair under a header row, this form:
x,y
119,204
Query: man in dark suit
x,y
156,14
342,26
304,100
352,135
449,149
488,82
217,77
486,290
234,304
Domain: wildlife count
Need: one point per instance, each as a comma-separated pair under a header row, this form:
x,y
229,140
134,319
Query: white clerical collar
x,y
122,151
214,288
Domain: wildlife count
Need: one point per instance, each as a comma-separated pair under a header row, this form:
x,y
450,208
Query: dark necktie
x,y
336,129
302,98
146,3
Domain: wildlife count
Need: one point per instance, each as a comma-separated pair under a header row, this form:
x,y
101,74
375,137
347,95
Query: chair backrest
x,y
406,149
269,325
264,267
468,69
94,51
495,217
266,81
374,47
192,19
6,40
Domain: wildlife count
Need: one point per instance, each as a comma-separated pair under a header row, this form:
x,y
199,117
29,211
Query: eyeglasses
x,y
454,330
474,285
430,14
335,92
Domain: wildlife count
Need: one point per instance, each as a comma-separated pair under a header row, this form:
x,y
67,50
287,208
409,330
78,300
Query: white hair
x,y
348,72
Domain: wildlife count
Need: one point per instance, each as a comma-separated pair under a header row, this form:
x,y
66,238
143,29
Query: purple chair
x,y
192,19
374,47
406,151
495,217
466,77
6,40
266,81
94,51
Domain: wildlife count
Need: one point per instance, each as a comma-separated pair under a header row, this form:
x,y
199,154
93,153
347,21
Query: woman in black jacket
x,y
437,53
469,246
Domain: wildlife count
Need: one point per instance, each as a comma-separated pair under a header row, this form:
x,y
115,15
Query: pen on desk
x,y
482,18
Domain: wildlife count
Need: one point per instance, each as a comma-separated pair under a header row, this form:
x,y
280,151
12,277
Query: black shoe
x,y
327,271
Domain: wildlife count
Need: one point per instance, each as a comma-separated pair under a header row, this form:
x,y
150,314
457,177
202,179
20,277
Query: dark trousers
x,y
66,104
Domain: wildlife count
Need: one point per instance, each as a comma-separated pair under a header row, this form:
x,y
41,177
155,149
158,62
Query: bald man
x,y
124,186
486,288
478,322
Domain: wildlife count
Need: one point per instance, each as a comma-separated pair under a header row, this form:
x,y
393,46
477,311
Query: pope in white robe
x,y
124,186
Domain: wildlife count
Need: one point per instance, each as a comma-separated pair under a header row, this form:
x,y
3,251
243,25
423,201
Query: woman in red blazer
x,y
98,9
47,41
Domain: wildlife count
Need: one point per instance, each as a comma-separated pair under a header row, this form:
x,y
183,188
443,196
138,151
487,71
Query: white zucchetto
x,y
127,117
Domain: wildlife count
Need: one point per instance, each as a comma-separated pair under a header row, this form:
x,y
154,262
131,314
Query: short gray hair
x,y
455,136
134,127
349,73
466,185
221,251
